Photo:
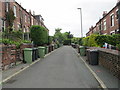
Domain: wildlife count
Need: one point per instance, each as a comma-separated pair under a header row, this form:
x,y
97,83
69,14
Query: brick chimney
x,y
104,13
30,11
34,13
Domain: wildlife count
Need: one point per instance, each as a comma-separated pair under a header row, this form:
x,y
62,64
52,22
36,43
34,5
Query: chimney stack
x,y
30,11
104,13
33,12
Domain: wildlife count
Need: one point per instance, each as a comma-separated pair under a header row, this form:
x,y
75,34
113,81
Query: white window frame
x,y
32,20
15,10
105,25
7,7
112,20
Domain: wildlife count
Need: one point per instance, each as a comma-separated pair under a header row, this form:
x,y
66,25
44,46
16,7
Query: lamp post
x,y
81,20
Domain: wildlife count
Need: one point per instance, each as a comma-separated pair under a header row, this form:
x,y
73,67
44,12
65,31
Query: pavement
x,y
14,69
104,74
61,69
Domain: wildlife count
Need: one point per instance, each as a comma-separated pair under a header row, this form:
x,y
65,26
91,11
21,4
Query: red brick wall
x,y
8,55
108,23
0,9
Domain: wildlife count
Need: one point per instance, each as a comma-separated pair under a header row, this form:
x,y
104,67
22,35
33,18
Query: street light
x,y
81,20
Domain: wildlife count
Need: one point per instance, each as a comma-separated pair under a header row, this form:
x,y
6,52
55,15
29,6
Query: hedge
x,y
110,39
99,40
39,35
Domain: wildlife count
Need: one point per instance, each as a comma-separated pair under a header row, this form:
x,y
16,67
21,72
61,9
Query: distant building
x,y
107,25
23,19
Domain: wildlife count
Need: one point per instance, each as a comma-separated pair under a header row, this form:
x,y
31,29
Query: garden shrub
x,y
67,42
50,39
13,35
80,41
17,43
39,35
110,39
85,41
118,46
100,40
116,39
91,41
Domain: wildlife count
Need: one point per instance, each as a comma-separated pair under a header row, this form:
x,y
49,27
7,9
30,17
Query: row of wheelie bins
x,y
91,54
32,54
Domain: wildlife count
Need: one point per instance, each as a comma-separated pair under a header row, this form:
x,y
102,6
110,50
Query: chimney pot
x,y
104,13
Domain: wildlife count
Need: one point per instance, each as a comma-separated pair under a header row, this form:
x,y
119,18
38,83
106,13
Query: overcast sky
x,y
64,13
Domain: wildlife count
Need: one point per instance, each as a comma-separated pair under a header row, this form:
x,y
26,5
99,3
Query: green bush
x,y
85,41
75,40
6,41
110,39
100,40
80,41
17,43
39,35
116,39
13,35
91,41
67,42
118,46
50,39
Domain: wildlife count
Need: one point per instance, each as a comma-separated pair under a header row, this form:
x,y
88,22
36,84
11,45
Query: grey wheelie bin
x,y
93,57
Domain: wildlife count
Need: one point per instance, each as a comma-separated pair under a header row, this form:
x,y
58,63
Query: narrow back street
x,y
62,69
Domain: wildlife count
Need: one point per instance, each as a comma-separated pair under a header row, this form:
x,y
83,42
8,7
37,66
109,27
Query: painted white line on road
x,y
94,74
8,78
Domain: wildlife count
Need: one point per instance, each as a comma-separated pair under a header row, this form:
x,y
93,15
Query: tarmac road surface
x,y
61,69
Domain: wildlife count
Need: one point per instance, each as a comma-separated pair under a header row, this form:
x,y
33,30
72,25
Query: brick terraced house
x,y
23,19
108,24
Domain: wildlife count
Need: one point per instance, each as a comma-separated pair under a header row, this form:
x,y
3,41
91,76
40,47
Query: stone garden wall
x,y
109,59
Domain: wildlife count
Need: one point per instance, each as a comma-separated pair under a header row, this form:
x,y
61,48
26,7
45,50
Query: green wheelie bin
x,y
56,46
82,51
28,55
41,51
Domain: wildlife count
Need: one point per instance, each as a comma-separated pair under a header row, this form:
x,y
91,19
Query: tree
x,y
58,35
64,38
67,38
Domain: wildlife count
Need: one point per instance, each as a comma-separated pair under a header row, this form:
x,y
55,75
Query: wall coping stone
x,y
115,52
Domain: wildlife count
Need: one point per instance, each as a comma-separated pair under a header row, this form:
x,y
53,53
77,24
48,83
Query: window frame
x,y
15,10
